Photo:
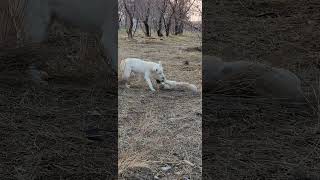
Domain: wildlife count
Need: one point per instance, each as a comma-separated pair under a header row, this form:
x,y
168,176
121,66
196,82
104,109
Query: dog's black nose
x,y
159,81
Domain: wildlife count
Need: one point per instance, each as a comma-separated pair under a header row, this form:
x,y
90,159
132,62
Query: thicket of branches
x,y
11,22
163,17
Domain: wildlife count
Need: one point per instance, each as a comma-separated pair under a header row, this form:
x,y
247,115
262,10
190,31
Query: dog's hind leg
x,y
126,76
140,78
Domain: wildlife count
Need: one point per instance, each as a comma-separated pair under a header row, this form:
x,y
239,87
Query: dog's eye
x,y
156,70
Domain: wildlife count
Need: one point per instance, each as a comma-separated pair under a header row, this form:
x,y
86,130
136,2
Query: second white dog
x,y
145,68
169,85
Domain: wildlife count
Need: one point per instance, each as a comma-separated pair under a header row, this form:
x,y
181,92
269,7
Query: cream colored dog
x,y
144,68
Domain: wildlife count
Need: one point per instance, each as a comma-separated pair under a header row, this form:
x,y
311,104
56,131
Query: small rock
x,y
166,168
186,178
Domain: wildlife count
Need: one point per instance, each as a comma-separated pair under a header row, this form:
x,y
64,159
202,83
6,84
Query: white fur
x,y
167,84
145,68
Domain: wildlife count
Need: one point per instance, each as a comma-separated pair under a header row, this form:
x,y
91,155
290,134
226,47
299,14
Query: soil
x,y
258,138
162,128
66,130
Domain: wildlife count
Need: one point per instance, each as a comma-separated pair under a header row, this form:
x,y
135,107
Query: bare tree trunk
x,y
146,23
161,17
130,29
147,28
130,16
181,28
159,31
167,25
176,26
179,25
136,27
182,8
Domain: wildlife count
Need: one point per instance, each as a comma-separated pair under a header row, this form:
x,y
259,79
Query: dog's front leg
x,y
147,78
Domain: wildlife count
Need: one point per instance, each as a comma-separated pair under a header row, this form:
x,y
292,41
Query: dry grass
x,y
255,138
67,130
263,138
42,133
162,128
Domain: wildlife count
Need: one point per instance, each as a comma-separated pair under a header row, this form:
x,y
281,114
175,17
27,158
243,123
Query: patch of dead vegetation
x,y
263,138
162,128
47,132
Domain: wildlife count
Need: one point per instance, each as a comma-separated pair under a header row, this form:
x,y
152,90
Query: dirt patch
x,y
67,129
262,138
163,129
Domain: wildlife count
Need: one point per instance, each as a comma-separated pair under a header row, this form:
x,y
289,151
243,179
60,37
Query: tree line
x,y
164,17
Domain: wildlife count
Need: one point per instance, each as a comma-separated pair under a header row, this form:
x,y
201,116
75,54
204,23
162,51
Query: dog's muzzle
x,y
159,81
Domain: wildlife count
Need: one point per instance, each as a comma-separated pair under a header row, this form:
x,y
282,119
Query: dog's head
x,y
158,70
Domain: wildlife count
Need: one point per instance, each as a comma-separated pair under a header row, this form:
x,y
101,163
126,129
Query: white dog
x,y
145,68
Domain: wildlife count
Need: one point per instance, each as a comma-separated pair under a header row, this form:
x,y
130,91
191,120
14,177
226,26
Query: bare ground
x,y
163,128
66,130
261,138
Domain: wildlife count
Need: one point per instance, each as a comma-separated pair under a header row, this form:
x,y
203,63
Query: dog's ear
x,y
160,63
